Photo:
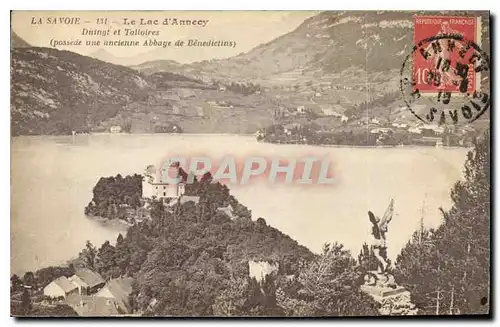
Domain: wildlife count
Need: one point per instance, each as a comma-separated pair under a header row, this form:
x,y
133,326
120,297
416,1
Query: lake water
x,y
52,180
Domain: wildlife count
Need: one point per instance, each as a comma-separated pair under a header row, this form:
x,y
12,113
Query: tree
x,y
451,264
122,256
106,260
230,302
127,127
46,275
366,259
88,255
26,305
16,284
329,286
261,298
29,279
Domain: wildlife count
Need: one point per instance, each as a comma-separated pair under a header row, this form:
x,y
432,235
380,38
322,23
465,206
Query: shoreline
x,y
411,146
109,223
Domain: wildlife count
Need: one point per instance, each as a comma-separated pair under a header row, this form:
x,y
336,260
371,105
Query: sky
x,y
247,29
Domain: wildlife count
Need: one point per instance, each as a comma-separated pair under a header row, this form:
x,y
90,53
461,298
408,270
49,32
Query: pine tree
x,y
450,266
329,286
88,255
16,284
26,304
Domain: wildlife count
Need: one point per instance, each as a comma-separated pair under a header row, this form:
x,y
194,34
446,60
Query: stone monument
x,y
380,284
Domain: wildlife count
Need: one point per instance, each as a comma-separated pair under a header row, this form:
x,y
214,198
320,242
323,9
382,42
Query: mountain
x,y
333,59
17,42
105,56
143,62
346,58
326,44
347,63
55,92
155,66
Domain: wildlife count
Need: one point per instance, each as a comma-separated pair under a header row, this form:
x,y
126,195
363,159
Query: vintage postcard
x,y
250,163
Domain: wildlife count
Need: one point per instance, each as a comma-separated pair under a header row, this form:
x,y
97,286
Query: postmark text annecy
x,y
447,71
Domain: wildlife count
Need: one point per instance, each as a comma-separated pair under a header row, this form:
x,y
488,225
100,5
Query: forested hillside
x,y
447,270
192,260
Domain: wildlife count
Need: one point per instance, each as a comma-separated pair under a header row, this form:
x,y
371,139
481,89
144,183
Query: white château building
x,y
156,182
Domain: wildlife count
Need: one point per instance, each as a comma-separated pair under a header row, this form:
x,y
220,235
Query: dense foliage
x,y
328,286
245,89
312,133
168,128
74,92
192,260
113,196
447,270
27,293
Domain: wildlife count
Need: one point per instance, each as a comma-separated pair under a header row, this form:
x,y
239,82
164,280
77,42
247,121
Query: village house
x,y
118,290
115,129
228,210
260,269
199,111
60,287
333,110
168,96
301,109
87,281
330,112
382,130
430,140
93,306
432,129
399,125
186,94
415,130
176,110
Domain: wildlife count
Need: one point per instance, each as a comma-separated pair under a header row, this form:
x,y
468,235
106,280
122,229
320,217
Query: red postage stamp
x,y
444,59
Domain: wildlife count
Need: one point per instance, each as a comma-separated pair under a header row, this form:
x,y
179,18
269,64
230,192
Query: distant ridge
x,y
17,42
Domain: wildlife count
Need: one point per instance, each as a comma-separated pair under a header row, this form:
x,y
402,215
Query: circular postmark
x,y
445,80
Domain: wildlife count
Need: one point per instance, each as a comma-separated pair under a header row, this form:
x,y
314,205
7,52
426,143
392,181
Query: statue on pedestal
x,y
379,243
380,284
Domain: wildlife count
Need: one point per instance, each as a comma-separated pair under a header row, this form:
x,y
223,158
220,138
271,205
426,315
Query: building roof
x,y
93,306
90,277
185,93
64,284
78,281
121,289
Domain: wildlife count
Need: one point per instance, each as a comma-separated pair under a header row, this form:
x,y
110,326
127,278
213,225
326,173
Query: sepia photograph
x,y
250,164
